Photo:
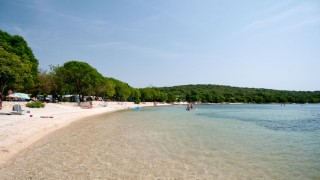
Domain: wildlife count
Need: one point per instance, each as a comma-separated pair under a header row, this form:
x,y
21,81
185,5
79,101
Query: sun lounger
x,y
17,108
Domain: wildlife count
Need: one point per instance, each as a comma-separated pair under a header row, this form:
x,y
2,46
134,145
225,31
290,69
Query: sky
x,y
262,44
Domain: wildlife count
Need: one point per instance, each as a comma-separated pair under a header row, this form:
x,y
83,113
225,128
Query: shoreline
x,y
18,132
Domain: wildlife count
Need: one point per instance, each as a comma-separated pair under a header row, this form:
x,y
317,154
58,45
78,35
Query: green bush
x,y
137,101
35,104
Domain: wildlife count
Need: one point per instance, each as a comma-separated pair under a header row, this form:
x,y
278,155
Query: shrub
x,y
35,104
137,101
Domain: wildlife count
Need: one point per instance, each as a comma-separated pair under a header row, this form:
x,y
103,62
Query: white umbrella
x,y
19,95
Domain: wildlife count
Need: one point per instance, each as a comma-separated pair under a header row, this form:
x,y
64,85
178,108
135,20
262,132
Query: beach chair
x,y
17,108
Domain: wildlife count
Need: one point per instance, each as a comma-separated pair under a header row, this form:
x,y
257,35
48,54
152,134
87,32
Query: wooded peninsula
x,y
19,72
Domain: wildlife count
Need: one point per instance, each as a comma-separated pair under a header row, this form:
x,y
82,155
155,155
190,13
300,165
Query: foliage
x,y
56,81
80,77
218,94
43,84
35,104
135,96
171,97
13,70
136,101
147,94
109,88
18,66
19,72
122,90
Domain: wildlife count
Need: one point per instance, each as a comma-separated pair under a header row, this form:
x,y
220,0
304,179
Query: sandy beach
x,y
17,132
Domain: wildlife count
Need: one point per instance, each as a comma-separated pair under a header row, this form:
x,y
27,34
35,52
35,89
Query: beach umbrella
x,y
19,95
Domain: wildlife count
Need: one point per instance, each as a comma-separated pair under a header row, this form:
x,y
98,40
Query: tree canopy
x,y
218,93
18,66
80,77
19,72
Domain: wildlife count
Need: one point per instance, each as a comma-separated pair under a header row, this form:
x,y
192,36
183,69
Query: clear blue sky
x,y
250,43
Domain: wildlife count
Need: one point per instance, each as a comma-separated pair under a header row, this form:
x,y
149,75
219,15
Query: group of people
x,y
189,107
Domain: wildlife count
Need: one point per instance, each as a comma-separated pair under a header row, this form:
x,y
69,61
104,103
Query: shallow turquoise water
x,y
269,141
211,142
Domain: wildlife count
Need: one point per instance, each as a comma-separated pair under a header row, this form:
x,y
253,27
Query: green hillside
x,y
219,93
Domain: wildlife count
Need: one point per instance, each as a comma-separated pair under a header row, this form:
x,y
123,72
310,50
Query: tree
x,y
43,83
221,93
135,95
18,65
193,96
152,94
20,47
105,88
14,71
57,85
80,76
146,94
208,97
123,91
162,97
282,99
171,98
109,88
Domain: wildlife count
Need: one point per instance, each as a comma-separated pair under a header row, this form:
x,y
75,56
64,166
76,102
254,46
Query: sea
x,y
222,141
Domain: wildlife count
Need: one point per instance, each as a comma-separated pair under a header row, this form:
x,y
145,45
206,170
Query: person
x,y
0,104
188,107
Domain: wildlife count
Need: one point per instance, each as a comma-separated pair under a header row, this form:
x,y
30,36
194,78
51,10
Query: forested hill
x,y
219,93
19,72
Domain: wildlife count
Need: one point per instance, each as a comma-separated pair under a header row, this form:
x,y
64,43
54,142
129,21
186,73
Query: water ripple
x,y
291,119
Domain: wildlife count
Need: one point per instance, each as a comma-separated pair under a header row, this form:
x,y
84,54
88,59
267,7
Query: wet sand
x,y
119,145
105,147
18,132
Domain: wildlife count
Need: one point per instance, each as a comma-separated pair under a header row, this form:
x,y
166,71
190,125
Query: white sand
x,y
17,132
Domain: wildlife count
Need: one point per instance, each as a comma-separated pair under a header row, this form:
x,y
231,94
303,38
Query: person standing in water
x,y
189,107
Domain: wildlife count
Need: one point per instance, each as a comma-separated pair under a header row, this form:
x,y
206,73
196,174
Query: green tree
x,y
81,77
258,99
208,97
146,95
162,97
105,88
171,98
109,88
135,95
15,72
152,94
18,65
237,94
57,85
193,96
282,99
43,83
123,91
